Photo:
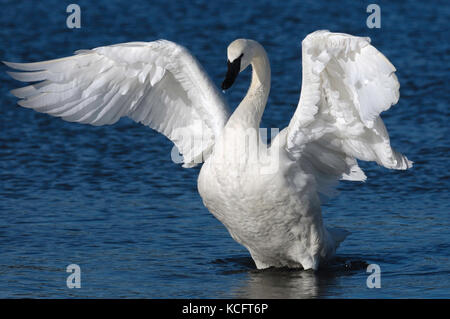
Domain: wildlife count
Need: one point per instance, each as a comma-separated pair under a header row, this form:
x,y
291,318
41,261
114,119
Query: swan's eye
x,y
239,58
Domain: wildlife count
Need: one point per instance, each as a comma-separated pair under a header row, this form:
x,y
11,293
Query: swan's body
x,y
266,196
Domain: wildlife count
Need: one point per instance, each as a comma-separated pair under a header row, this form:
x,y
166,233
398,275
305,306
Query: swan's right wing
x,y
346,84
159,84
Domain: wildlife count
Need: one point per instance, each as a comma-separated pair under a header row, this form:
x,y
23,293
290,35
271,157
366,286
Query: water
x,y
110,200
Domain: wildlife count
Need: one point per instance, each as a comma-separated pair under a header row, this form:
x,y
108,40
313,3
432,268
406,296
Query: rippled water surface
x,y
110,200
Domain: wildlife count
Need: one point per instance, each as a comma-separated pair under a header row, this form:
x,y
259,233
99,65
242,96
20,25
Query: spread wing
x,y
346,84
159,84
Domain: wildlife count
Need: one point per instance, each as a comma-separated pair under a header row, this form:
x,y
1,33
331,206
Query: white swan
x,y
267,197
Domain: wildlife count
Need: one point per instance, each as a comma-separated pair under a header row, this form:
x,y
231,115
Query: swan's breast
x,y
244,199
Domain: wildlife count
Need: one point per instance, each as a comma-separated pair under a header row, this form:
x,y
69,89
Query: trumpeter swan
x,y
267,196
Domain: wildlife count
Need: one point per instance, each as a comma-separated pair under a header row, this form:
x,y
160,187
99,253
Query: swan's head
x,y
240,54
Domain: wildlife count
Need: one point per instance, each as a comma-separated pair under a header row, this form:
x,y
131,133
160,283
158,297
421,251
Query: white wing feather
x,y
346,84
159,84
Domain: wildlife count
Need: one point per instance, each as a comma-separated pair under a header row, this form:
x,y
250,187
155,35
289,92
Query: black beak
x,y
232,73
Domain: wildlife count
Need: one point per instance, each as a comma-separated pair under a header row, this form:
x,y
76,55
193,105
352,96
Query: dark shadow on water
x,y
235,265
282,283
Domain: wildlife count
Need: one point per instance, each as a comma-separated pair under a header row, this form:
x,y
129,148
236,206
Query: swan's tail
x,y
334,237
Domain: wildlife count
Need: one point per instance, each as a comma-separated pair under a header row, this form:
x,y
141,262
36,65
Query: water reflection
x,y
282,284
294,284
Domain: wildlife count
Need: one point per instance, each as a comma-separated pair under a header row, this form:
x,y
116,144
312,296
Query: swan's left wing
x,y
159,84
346,84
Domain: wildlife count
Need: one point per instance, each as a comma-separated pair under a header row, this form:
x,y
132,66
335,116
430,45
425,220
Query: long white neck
x,y
249,112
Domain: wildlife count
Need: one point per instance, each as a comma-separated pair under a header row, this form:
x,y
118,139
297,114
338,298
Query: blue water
x,y
110,199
